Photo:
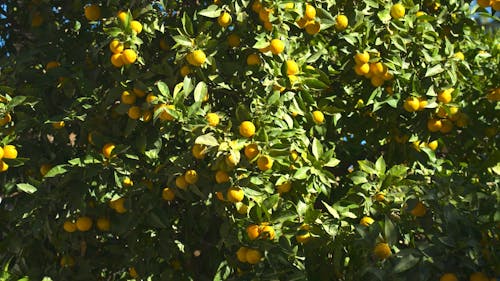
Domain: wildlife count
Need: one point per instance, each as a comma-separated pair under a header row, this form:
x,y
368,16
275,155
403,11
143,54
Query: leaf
x,y
187,24
314,83
380,165
57,170
367,166
163,88
301,173
200,91
434,70
207,139
390,231
182,40
405,263
331,210
26,187
332,162
211,11
17,100
317,148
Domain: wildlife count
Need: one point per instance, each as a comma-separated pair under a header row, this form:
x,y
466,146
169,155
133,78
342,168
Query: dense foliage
x,y
247,140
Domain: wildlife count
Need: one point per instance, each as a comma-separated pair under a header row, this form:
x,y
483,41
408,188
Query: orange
x,y
411,104
446,126
233,40
478,276
379,197
116,60
419,210
366,221
448,277
362,58
127,182
312,27
136,26
191,176
433,145
133,273
92,12
52,64
196,58
310,12
235,194
251,151
341,22
277,46
253,231
304,235
253,59
422,103
44,169
168,194
58,125
199,151
397,11
118,205
434,125
108,149
221,177
103,224
224,19
9,152
115,46
256,6
3,166
459,56
264,163
128,97
284,187
377,81
253,256
483,3
267,232
445,95
134,112
241,254
212,119
129,56
185,70
6,119
84,223
69,226
164,115
318,117
181,182
362,69
122,16
382,251
247,129
292,67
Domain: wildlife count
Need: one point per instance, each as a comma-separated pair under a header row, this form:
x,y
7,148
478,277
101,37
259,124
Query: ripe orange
x,y
253,231
116,60
134,112
362,58
6,119
181,182
122,16
92,12
108,149
247,129
366,221
434,125
265,163
118,205
318,117
224,19
446,126
312,27
168,194
377,81
191,176
235,194
58,125
69,226
379,197
267,232
103,224
128,97
164,115
253,59
292,67
411,104
459,56
133,273
136,26
341,22
9,152
419,210
233,40
277,46
448,277
3,166
83,223
251,150
284,187
445,95
199,151
253,256
422,103
196,58
397,11
362,69
382,251
310,12
433,145
478,276
212,119
304,235
129,56
241,254
127,182
221,177
115,46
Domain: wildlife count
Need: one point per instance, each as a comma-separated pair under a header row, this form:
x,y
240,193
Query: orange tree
x,y
247,140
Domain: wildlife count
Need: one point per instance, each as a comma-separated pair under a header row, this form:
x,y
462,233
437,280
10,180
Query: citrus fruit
x,y
181,183
108,149
362,58
168,194
116,60
191,176
253,59
284,187
309,12
115,46
83,223
445,95
253,256
221,177
276,46
136,26
448,277
366,221
341,22
397,11
247,129
69,226
198,151
212,119
382,251
92,12
235,194
103,224
318,117
419,210
129,56
241,254
196,58
265,163
224,19
9,152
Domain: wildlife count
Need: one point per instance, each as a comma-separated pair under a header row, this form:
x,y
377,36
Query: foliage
x,y
355,109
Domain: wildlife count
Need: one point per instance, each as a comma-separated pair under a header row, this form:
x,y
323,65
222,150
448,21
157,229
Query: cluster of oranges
x,y
445,116
7,152
120,55
377,72
85,223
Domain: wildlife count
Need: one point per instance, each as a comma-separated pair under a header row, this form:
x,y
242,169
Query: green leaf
x,y
211,11
207,139
331,210
317,148
434,70
332,162
163,88
314,83
187,25
56,170
301,173
405,263
200,91
390,231
380,165
26,187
